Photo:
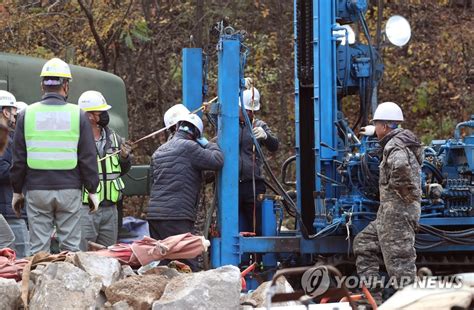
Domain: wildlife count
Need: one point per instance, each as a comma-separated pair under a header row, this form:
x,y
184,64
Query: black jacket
x,y
85,172
177,168
6,191
247,167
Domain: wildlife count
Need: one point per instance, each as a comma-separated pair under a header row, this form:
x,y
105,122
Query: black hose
x,y
435,171
281,191
284,167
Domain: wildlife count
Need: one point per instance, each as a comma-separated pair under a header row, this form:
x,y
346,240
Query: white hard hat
x,y
20,106
92,100
56,68
173,114
251,98
7,99
193,119
248,83
388,111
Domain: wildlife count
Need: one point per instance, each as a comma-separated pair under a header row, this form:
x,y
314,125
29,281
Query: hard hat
x,y
251,98
56,68
20,106
388,111
7,99
92,100
193,119
174,113
248,82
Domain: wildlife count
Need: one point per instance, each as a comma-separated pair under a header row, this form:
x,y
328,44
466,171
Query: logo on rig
x,y
315,281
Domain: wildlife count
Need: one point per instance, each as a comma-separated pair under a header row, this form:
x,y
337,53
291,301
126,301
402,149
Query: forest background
x,y
432,77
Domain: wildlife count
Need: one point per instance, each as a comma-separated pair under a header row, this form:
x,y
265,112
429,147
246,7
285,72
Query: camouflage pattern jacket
x,y
400,169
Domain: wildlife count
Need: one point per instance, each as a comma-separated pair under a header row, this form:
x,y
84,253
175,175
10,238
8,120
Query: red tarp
x,y
144,251
11,268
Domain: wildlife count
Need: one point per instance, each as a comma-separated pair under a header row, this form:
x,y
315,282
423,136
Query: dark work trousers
x,y
246,206
162,229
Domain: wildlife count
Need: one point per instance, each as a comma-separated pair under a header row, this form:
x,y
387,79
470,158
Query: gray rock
x,y
213,289
164,271
62,285
139,291
106,268
121,305
9,294
259,296
127,271
100,301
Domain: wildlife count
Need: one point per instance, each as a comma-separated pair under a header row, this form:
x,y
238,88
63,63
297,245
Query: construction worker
x,y
392,233
17,222
7,237
20,106
54,156
177,168
171,117
102,226
251,181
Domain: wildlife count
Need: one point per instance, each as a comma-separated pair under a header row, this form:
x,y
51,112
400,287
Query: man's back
x,y
176,168
85,171
52,168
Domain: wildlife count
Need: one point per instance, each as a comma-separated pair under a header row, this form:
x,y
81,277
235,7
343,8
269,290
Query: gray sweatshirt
x,y
85,172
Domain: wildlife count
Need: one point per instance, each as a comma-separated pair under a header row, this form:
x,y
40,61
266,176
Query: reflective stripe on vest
x,y
52,135
111,188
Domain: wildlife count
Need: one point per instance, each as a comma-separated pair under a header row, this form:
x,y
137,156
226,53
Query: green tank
x,y
20,75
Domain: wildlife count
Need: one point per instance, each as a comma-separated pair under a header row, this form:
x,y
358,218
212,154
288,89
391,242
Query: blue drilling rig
x,y
335,194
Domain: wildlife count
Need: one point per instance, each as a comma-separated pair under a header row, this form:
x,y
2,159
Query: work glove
x,y
259,133
368,130
93,203
18,203
206,106
125,149
202,141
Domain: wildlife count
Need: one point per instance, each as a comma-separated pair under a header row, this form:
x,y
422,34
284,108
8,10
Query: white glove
x,y
368,130
259,133
93,203
18,203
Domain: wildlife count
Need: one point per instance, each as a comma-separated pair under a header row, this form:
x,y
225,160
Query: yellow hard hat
x,y
56,68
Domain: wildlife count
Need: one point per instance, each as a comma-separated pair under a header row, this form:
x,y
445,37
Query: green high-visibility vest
x,y
110,185
52,135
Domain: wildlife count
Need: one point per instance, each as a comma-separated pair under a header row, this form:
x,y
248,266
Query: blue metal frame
x,y
225,250
192,86
229,247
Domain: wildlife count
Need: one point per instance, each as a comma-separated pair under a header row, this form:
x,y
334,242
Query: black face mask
x,y
103,119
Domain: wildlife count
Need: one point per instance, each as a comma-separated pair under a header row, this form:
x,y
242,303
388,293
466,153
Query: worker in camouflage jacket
x,y
392,233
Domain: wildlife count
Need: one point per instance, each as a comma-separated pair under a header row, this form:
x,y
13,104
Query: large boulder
x,y
138,291
64,286
9,294
213,289
106,268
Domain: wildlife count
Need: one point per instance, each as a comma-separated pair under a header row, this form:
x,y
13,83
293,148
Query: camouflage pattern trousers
x,y
391,235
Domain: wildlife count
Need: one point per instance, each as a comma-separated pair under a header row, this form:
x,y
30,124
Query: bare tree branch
x,y
119,27
97,38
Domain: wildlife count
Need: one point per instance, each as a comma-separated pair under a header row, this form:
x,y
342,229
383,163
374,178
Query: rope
x,y
155,132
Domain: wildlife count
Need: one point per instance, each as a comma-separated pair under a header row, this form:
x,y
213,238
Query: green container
x,y
20,75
